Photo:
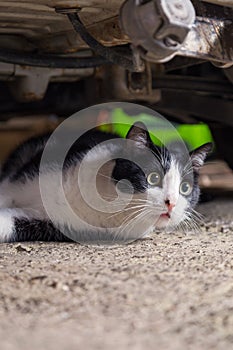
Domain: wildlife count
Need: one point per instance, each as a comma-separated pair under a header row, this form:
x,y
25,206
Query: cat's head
x,y
168,180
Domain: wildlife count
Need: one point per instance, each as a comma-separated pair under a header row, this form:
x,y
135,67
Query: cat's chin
x,y
164,221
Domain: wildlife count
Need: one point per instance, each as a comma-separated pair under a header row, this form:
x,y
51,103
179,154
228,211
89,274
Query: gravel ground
x,y
173,291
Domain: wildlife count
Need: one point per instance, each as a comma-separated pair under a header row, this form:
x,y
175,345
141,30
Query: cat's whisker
x,y
134,221
188,173
133,215
117,200
126,210
195,216
110,178
182,226
199,215
134,205
117,203
126,199
134,212
105,176
187,169
129,218
191,222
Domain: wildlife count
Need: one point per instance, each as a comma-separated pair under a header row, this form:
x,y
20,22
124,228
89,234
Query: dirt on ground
x,y
173,291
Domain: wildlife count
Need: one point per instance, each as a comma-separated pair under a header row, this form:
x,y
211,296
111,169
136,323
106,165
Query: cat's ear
x,y
139,133
198,156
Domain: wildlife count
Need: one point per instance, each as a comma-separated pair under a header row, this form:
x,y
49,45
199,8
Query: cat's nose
x,y
169,204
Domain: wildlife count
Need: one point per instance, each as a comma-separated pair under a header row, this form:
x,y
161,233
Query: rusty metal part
x,y
30,83
221,2
163,29
158,27
115,82
124,58
38,23
107,32
210,39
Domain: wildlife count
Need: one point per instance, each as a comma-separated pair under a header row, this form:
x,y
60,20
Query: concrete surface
x,y
174,291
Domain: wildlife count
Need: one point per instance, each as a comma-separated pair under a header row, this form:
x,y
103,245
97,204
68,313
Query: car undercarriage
x,y
173,56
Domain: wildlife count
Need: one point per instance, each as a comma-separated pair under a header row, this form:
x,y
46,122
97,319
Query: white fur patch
x,y
7,217
171,183
6,225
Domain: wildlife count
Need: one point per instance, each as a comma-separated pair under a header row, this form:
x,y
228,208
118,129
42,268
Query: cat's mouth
x,y
165,215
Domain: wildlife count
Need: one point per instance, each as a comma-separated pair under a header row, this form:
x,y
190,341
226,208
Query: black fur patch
x,y
37,230
137,175
23,159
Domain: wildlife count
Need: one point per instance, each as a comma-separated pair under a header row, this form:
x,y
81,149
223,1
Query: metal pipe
x,y
50,61
109,54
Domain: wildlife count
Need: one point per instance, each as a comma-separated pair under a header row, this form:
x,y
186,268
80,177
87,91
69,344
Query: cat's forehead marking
x,y
171,181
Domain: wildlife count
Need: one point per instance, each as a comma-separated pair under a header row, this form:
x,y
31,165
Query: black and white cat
x,y
163,188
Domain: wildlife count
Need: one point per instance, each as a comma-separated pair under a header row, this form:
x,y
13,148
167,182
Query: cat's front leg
x,y
27,225
8,220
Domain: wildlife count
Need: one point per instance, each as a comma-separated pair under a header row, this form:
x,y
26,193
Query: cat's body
x,y
157,198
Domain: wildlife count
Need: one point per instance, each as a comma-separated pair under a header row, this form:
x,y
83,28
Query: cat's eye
x,y
154,179
185,188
